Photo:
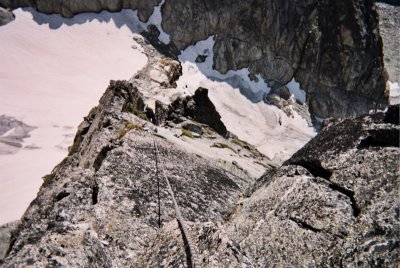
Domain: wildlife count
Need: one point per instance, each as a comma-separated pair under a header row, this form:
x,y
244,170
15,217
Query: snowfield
x,y
52,72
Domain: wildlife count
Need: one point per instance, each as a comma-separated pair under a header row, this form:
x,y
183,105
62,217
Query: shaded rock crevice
x,y
60,196
380,138
314,167
95,194
349,194
304,225
101,156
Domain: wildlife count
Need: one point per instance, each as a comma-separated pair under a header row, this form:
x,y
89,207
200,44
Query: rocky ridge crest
x,y
335,202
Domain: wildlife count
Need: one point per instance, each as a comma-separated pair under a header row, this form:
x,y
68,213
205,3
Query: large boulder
x,y
333,204
198,107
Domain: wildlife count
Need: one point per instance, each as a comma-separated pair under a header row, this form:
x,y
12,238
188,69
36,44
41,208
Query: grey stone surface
x,y
100,205
389,24
6,16
334,203
5,236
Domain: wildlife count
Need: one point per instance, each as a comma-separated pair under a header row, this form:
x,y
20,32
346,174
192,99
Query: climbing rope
x,y
158,190
190,253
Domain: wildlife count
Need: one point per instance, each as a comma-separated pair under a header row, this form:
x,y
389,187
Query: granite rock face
x,y
100,206
389,23
5,235
333,49
5,16
334,203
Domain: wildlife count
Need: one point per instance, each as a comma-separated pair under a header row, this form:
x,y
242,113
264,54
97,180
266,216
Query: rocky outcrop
x,y
70,8
5,16
107,204
105,201
5,235
334,203
333,49
198,107
12,134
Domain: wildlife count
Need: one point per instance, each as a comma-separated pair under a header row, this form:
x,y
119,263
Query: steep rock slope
x,y
334,203
333,49
99,207
65,80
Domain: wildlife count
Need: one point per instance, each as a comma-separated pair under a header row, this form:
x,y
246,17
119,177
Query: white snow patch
x,y
296,91
236,78
52,72
394,92
264,126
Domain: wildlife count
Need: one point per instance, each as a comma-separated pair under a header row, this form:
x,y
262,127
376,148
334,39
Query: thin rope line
x,y
189,248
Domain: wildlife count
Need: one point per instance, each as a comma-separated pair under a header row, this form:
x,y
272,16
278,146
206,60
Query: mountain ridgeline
x,y
334,203
132,193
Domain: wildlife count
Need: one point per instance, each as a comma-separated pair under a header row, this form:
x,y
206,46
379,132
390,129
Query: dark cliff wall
x,y
332,48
